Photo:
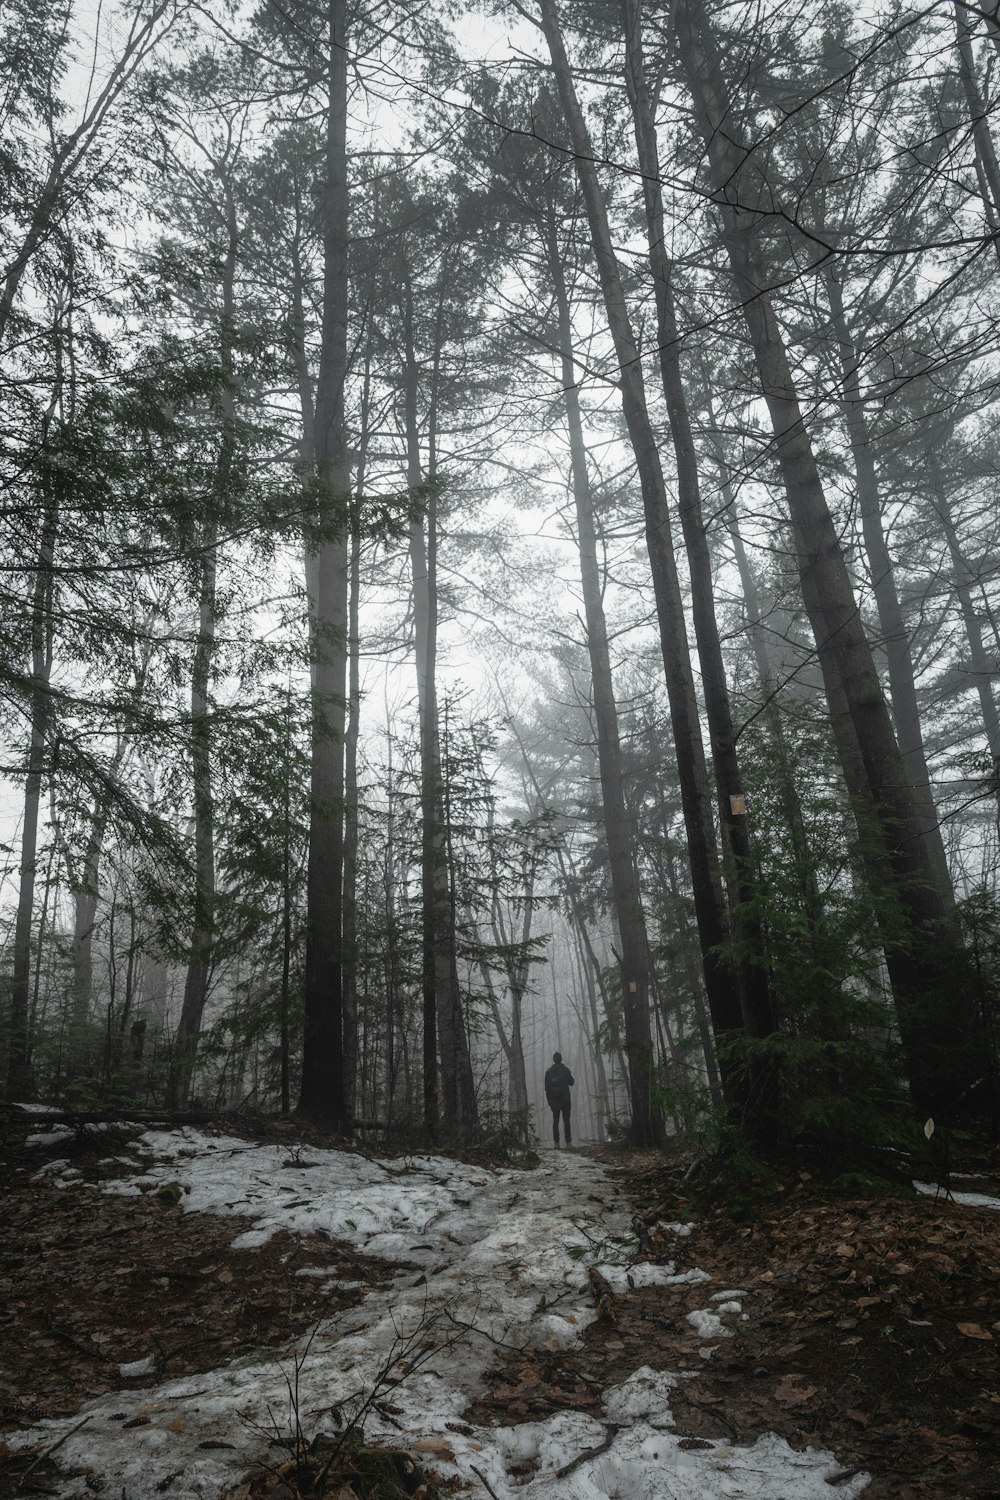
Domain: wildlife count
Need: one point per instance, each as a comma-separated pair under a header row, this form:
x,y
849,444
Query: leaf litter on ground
x,y
485,1341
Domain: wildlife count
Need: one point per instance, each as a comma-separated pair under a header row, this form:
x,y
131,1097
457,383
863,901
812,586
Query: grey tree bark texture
x,y
940,1035
199,966
749,957
713,927
321,1095
626,895
446,1053
895,639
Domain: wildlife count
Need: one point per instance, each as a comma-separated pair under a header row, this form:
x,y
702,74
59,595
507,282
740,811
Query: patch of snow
x,y
138,1368
731,1307
646,1393
489,1257
51,1169
625,1278
682,1229
48,1137
970,1200
736,1291
62,1172
707,1324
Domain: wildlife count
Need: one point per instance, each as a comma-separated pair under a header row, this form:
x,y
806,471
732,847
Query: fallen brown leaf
x,y
789,1392
975,1331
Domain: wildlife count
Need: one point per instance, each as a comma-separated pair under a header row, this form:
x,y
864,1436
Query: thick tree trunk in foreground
x,y
750,958
322,1091
940,1037
713,931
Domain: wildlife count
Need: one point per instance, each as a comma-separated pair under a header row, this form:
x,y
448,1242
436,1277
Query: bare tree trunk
x,y
350,923
200,959
987,166
724,999
902,687
322,1091
443,1029
286,916
750,959
597,1056
516,969
19,1080
983,668
626,895
922,949
783,764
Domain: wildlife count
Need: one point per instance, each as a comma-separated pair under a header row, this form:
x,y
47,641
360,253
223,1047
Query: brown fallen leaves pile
x,y
90,1281
873,1331
873,1327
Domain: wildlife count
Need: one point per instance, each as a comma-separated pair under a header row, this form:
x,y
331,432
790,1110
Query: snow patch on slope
x,y
491,1256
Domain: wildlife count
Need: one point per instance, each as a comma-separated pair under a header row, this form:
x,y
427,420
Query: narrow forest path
x,y
492,1263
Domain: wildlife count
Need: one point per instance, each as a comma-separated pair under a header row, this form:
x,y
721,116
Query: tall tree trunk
x,y
200,959
724,999
922,950
586,976
515,953
783,760
19,1080
350,922
443,1027
629,915
902,686
51,471
322,1091
987,166
963,576
284,1001
759,1017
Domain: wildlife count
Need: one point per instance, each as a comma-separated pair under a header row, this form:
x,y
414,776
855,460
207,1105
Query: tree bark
x,y
350,922
713,930
987,166
626,896
200,959
895,638
983,669
19,1081
750,958
444,1035
322,1091
940,1039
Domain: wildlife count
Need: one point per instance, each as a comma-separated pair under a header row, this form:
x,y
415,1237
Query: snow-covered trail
x,y
497,1256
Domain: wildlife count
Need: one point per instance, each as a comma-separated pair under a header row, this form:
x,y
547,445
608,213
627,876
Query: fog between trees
x,y
501,533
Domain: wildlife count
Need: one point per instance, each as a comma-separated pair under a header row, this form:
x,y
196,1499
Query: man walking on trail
x,y
558,1082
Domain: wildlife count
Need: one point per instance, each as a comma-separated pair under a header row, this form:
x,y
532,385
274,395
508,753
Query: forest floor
x,y
201,1315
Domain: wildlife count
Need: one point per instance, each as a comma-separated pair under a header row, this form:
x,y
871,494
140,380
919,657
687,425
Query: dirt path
x,y
508,1286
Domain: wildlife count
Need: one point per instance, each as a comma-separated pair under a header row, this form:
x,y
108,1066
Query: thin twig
x,y
57,1444
582,1458
481,1476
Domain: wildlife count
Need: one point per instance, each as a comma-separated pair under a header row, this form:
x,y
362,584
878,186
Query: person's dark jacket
x,y
558,1081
